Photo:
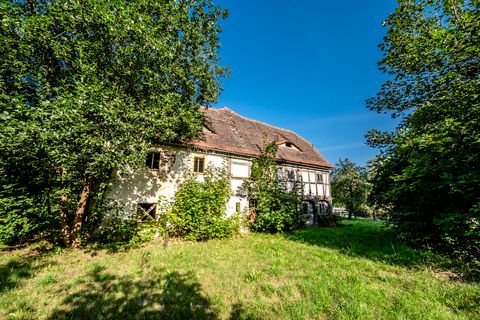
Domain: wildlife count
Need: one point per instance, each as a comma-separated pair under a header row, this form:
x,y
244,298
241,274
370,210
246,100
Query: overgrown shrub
x,y
23,218
364,210
428,171
116,229
110,225
461,235
276,211
198,212
350,188
276,208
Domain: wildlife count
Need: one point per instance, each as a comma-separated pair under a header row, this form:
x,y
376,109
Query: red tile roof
x,y
229,132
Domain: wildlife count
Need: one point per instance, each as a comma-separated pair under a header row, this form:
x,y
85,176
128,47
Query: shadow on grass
x,y
105,296
110,248
370,239
12,272
239,313
19,268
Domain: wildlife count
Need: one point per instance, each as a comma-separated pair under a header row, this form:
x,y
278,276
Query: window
x,y
289,145
147,211
153,160
291,175
198,164
305,208
319,178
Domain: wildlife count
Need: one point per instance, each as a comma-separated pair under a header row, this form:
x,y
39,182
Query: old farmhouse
x,y
230,141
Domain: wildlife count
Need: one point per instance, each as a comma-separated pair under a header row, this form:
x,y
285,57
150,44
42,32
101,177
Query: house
x,y
229,141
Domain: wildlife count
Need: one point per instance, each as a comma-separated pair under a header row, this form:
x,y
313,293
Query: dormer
x,y
288,145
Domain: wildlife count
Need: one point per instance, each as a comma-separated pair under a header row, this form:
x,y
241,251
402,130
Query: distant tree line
x,y
350,188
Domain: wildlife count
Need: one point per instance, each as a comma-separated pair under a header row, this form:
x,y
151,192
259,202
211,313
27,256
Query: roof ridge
x,y
275,127
253,120
223,115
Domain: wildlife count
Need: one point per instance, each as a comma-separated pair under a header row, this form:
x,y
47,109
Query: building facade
x,y
229,141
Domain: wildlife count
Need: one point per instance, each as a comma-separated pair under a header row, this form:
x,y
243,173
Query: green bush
x,y
460,233
364,211
276,209
116,228
23,218
198,212
110,225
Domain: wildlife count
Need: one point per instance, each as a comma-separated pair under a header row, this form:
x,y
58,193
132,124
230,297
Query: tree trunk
x,y
64,220
350,210
80,213
350,203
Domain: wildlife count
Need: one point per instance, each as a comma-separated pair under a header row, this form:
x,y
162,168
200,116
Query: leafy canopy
x,y
350,186
87,86
275,206
429,171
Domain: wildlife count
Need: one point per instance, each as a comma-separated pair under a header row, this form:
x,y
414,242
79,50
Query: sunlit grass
x,y
354,271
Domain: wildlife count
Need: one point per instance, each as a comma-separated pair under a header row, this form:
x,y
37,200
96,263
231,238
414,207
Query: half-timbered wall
x,y
149,186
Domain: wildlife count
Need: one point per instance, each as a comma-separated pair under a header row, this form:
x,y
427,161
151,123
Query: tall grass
x,y
354,271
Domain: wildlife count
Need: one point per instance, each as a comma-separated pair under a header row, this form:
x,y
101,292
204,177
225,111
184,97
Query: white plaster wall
x,y
150,186
327,191
217,161
312,176
305,175
320,190
236,186
240,169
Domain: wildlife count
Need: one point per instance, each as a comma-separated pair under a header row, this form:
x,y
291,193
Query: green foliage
x,y
87,86
276,208
149,230
350,187
199,208
116,229
15,225
429,172
22,217
109,225
129,231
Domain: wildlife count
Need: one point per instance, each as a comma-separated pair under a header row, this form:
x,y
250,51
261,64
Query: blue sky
x,y
308,66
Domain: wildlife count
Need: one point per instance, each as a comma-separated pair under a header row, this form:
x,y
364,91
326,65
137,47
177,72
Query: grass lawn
x,y
353,271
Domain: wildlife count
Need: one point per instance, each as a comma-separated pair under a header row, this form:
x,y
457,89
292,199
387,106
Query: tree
x,y
87,86
349,185
429,169
276,207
